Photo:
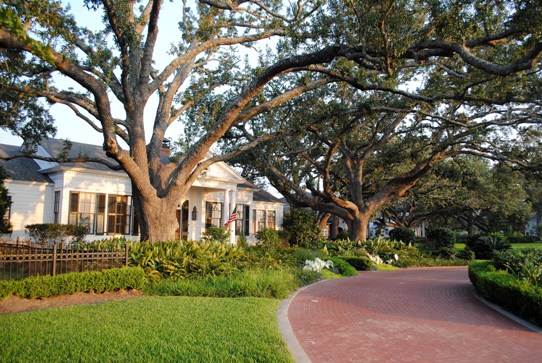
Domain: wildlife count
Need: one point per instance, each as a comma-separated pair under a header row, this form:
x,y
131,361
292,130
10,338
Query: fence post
x,y
126,247
54,259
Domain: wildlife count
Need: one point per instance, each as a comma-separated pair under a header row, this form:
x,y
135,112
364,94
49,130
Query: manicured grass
x,y
527,245
514,245
173,329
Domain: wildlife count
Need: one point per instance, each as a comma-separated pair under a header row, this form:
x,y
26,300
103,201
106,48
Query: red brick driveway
x,y
412,315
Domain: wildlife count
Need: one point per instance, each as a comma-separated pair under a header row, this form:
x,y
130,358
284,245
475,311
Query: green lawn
x,y
514,245
176,329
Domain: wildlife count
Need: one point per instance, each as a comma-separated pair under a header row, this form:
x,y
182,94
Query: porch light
x,y
194,214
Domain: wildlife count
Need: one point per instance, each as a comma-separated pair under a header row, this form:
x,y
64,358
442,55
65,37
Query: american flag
x,y
233,217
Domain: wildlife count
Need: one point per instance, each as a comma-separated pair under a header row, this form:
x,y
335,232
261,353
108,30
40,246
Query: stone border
x,y
508,314
286,329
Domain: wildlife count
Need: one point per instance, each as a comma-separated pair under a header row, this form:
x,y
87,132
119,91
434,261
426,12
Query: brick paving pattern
x,y
412,315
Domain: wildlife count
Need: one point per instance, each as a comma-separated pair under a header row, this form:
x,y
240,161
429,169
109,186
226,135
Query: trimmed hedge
x,y
502,288
125,278
359,263
343,267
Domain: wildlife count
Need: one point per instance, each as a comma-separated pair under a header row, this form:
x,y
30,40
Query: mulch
x,y
14,304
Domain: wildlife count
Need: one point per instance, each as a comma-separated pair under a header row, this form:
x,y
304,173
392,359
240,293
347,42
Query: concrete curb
x,y
286,329
509,315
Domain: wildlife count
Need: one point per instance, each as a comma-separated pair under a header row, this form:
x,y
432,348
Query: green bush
x,y
185,259
525,263
269,238
359,263
513,259
125,278
438,238
343,267
424,261
340,247
521,238
504,289
403,234
301,228
300,255
484,246
216,234
44,233
276,284
388,249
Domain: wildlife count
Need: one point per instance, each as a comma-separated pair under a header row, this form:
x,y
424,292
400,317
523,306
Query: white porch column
x,y
231,227
226,207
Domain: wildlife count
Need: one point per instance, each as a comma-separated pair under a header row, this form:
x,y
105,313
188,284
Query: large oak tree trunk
x,y
156,217
359,227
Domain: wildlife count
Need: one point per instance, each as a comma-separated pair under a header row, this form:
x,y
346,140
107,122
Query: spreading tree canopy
x,y
454,49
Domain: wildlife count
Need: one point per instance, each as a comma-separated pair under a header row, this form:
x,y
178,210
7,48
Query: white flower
x,y
376,259
396,256
317,265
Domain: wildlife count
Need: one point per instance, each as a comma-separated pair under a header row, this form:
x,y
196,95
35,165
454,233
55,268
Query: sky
x,y
67,124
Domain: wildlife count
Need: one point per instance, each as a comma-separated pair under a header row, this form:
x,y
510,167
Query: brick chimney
x,y
166,145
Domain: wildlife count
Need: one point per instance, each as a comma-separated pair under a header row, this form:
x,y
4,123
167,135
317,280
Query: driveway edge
x,y
509,315
286,329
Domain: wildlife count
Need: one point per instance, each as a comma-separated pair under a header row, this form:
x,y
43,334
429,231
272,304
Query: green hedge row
x,y
125,278
504,289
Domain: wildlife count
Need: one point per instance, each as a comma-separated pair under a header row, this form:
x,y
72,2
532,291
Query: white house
x,y
96,196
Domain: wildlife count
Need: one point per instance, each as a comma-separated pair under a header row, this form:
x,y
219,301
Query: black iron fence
x,y
19,260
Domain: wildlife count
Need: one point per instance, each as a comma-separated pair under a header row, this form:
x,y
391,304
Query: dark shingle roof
x,y
54,147
21,168
263,196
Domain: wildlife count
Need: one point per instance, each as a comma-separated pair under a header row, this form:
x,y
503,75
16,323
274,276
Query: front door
x,y
184,221
178,230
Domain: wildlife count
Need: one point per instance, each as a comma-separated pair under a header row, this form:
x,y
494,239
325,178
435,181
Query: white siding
x,y
31,203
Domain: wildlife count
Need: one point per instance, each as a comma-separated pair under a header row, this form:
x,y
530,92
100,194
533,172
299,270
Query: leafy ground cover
x,y
148,329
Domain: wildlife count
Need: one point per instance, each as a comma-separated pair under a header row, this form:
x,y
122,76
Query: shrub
x,y
269,238
403,234
504,289
513,259
250,283
344,246
89,281
484,246
343,267
301,228
525,263
521,238
438,238
187,258
217,234
388,249
44,233
302,254
465,254
359,263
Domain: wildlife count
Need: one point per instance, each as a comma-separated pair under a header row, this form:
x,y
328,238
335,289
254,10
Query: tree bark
x,y
359,227
156,217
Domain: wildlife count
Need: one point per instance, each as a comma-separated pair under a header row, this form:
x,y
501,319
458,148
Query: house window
x,y
89,209
213,214
83,210
117,214
7,212
243,220
271,219
259,220
57,207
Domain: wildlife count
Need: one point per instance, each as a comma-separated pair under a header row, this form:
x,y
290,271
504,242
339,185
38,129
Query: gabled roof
x,y
36,170
54,148
263,196
21,168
